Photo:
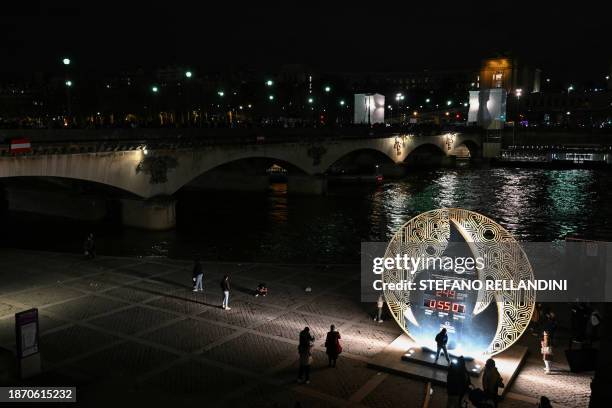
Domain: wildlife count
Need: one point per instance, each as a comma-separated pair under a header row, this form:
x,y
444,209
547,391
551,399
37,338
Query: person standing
x,y
457,383
379,308
491,381
225,287
90,246
332,345
197,275
547,351
305,352
544,402
441,341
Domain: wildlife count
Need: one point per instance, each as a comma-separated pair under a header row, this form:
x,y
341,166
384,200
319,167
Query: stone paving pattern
x,y
128,329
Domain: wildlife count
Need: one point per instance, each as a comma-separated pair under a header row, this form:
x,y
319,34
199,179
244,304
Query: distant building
x,y
508,74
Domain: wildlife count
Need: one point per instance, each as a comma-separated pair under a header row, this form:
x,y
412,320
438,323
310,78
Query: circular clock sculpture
x,y
475,326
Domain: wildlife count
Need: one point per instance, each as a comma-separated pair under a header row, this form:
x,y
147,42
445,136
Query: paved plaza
x,y
131,329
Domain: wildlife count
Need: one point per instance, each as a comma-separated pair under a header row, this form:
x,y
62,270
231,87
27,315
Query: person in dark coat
x,y
332,345
306,342
457,383
441,340
491,381
197,276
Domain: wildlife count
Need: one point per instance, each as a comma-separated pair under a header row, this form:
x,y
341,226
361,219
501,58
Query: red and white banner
x,y
21,146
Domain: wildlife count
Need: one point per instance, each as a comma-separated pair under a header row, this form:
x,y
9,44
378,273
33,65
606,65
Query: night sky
x,y
565,41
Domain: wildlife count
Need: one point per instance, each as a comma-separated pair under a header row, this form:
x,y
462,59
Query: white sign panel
x,y
369,108
488,108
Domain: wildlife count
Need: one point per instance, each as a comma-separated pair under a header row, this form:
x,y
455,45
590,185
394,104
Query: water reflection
x,y
533,204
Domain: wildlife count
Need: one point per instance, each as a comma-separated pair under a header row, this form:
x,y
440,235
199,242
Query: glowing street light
x,y
427,100
327,88
271,97
221,93
342,103
69,83
449,102
570,88
269,82
66,61
607,77
188,74
518,92
154,89
310,100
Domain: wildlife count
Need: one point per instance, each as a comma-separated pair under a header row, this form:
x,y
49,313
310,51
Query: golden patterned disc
x,y
429,233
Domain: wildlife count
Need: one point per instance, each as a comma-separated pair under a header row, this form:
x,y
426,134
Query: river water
x,y
533,204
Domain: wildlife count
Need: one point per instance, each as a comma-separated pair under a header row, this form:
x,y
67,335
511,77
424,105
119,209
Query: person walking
x,y
379,308
306,342
547,351
441,341
332,345
491,381
197,275
225,287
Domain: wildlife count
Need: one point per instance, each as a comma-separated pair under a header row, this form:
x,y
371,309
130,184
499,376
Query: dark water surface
x,y
533,204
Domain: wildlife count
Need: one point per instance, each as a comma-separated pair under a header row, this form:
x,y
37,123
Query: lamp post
x,y
66,62
399,97
68,84
517,93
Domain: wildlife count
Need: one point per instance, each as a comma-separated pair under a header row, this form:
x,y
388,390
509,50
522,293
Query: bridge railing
x,y
89,141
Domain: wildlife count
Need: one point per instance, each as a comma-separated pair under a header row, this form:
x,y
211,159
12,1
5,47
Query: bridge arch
x,y
467,148
239,173
362,160
425,153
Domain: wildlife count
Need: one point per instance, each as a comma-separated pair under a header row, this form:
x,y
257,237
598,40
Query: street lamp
x,y
342,102
427,100
271,97
188,74
269,82
310,100
449,102
154,89
570,88
220,93
327,88
517,92
68,83
66,61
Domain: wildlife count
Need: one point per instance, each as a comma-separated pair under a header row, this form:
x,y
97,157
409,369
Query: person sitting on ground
x,y
262,290
491,381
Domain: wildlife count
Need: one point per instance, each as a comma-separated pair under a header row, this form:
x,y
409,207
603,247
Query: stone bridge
x,y
149,172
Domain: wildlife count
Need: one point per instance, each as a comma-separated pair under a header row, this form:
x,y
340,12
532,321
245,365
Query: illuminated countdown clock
x,y
479,322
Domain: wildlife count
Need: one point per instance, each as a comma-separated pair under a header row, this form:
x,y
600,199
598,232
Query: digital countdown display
x,y
439,303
